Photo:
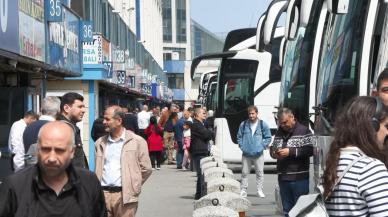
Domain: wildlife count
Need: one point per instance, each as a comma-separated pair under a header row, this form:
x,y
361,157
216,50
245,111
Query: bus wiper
x,y
319,111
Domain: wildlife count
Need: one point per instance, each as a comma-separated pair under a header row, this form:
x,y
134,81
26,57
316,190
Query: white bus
x,y
249,74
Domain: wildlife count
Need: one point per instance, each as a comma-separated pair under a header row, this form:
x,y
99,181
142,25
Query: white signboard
x,y
92,51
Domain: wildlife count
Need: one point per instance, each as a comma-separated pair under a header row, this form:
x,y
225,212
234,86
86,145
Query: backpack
x,y
245,123
313,205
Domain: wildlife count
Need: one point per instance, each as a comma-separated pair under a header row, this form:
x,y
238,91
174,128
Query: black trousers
x,y
142,134
156,156
197,160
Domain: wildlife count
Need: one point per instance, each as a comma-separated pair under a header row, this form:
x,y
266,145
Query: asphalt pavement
x,y
170,192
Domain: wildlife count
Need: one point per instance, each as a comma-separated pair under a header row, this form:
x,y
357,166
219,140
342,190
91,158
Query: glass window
x,y
167,21
293,84
338,79
166,56
382,57
175,81
181,21
237,84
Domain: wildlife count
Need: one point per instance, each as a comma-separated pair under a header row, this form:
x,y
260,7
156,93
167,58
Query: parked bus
x,y
249,74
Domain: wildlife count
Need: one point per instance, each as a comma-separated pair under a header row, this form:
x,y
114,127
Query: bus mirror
x,y
259,31
305,12
273,14
292,20
338,6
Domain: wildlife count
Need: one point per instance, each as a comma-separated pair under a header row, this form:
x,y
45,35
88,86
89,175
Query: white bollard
x,y
223,185
215,211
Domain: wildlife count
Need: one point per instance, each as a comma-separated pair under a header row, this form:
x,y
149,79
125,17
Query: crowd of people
x,y
51,169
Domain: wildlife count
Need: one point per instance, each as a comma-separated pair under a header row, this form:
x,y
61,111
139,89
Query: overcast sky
x,y
222,16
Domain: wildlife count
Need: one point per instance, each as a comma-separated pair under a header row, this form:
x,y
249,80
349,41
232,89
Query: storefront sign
x,y
92,51
118,56
87,31
54,10
109,64
131,81
31,29
64,40
9,25
106,54
120,77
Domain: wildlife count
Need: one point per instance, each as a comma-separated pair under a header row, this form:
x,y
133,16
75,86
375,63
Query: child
x,y
154,140
186,143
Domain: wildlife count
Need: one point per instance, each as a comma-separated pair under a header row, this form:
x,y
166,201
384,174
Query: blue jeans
x,y
290,191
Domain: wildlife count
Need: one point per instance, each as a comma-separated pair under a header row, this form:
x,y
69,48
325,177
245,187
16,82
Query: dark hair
x,y
69,99
154,122
173,115
30,114
283,111
353,127
188,123
383,75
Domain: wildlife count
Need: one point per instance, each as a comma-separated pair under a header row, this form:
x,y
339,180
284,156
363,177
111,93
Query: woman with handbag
x,y
355,180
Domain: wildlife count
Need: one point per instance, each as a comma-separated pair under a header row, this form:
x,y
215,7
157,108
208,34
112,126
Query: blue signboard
x,y
87,31
9,25
64,43
53,9
109,64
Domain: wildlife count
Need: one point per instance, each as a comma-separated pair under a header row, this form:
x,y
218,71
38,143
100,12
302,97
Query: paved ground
x,y
170,192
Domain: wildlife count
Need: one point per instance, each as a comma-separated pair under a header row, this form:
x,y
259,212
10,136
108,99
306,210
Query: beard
x,y
53,170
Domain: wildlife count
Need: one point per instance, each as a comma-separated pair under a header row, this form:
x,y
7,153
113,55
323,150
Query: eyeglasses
x,y
384,89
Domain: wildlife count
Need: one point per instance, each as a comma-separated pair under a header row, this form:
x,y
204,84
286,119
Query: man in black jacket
x,y
292,147
130,121
53,187
72,111
199,145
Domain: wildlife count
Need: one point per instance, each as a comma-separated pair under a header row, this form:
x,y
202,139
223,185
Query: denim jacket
x,y
253,146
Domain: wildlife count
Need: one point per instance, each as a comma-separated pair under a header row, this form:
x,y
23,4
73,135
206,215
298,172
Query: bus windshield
x,y
237,80
338,75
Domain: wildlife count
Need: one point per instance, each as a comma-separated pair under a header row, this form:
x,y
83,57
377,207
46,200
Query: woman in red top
x,y
155,142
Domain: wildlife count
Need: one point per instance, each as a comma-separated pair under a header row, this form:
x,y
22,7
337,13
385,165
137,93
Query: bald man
x,y
53,187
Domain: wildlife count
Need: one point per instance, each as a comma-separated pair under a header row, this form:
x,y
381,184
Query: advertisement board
x,y
64,43
31,29
92,51
9,25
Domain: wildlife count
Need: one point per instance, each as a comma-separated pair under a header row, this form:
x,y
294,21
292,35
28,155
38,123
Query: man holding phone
x,y
292,147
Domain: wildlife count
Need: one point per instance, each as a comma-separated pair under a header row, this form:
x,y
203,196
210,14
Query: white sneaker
x,y
243,193
260,193
158,168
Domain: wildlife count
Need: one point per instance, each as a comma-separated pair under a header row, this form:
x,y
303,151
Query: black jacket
x,y
130,123
79,159
299,141
18,194
30,135
200,137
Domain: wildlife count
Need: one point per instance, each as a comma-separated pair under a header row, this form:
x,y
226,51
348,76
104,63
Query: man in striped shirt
x,y
292,147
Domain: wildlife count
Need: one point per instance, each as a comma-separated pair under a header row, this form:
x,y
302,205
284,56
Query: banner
x,y
31,29
63,41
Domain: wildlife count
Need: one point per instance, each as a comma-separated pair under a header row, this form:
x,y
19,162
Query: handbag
x,y
313,205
